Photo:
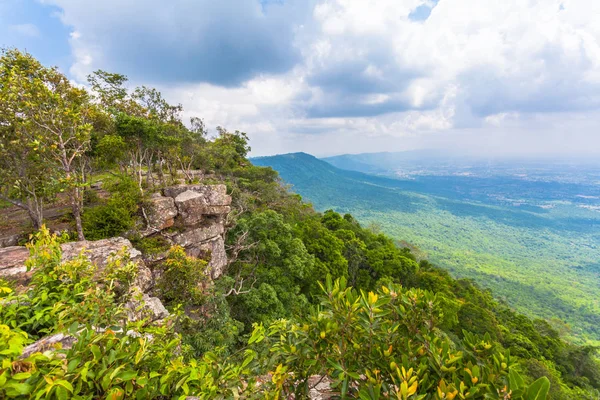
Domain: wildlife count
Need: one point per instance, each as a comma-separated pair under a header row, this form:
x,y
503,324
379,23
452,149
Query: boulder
x,y
54,342
12,259
99,253
12,263
174,191
214,194
198,235
11,240
190,205
161,213
142,306
213,250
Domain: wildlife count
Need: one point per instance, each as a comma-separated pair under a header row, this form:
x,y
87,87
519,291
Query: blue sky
x,y
30,25
336,76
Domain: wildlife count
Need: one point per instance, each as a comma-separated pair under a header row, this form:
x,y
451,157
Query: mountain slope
x,y
543,261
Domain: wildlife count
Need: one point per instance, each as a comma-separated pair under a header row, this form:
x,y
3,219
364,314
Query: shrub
x,y
386,345
117,215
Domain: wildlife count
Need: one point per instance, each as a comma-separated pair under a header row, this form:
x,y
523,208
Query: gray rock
x,y
190,205
213,250
198,235
161,213
11,240
54,342
146,307
214,194
99,252
174,191
12,263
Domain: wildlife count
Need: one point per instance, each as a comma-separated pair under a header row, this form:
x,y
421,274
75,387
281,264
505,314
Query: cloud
x,y
302,74
29,30
222,42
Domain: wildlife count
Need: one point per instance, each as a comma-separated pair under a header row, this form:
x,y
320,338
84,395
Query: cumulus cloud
x,y
305,74
222,42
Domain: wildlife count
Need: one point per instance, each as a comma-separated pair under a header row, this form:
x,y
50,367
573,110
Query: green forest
x,y
305,294
544,262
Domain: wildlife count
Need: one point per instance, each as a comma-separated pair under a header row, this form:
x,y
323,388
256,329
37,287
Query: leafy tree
x,y
384,345
25,179
272,270
56,116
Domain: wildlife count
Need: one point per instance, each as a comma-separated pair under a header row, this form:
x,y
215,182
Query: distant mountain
x,y
323,183
386,163
522,232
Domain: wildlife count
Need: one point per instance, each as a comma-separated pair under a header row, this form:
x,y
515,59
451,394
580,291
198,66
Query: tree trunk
x,y
76,209
36,213
149,177
161,175
34,208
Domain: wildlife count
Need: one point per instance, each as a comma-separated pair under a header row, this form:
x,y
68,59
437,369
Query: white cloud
x,y
365,72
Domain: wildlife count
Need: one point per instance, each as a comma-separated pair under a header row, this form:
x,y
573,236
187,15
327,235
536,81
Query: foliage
x,y
26,180
110,357
118,213
54,116
384,345
276,268
521,237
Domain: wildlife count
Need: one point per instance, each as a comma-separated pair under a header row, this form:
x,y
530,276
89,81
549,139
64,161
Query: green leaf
x,y
515,380
73,364
65,384
538,389
127,375
61,393
73,328
21,376
20,388
96,351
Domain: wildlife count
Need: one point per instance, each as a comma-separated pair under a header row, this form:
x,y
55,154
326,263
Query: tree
x,y
23,178
110,91
22,175
51,116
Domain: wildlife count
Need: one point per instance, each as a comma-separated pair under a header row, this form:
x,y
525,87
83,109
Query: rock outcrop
x,y
192,216
142,306
163,213
99,252
12,262
49,343
11,239
190,205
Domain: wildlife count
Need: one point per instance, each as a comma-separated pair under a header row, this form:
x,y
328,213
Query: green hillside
x,y
542,261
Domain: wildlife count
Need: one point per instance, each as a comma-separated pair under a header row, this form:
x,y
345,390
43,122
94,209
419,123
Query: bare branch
x,y
237,291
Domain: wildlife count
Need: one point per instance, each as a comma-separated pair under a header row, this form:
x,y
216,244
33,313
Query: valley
x,y
533,239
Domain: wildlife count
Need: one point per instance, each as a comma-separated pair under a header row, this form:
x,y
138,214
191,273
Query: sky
x,y
519,77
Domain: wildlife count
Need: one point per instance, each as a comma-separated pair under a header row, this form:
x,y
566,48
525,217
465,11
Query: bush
x,y
117,215
150,245
386,345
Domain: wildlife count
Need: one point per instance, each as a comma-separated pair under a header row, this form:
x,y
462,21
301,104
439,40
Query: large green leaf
x,y
538,389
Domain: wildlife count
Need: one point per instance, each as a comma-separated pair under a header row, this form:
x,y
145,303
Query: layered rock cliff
x,y
191,216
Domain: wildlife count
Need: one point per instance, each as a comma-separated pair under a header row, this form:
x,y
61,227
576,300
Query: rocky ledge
x,y
99,252
192,216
